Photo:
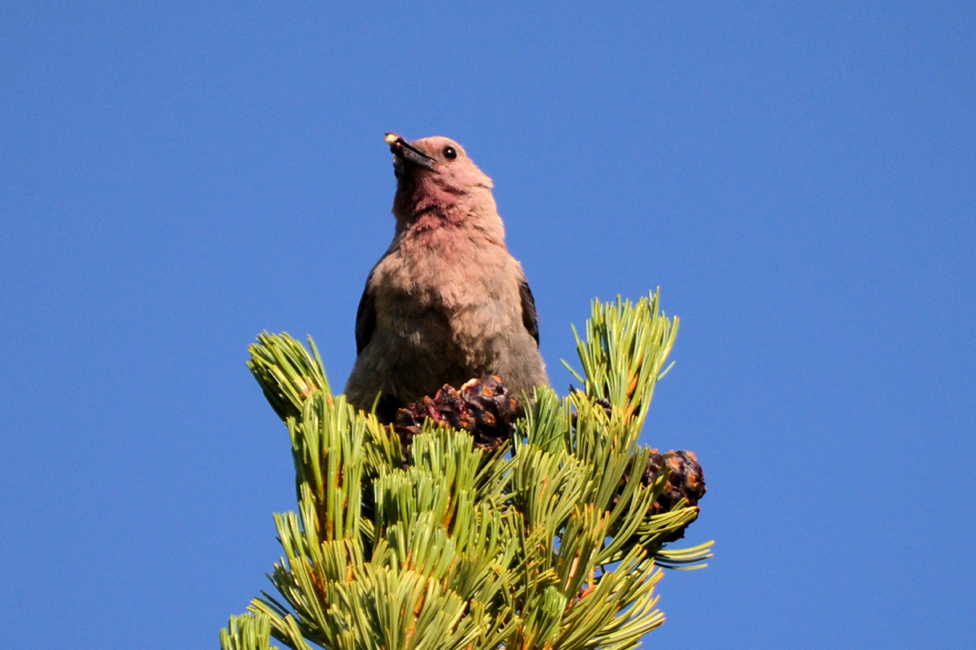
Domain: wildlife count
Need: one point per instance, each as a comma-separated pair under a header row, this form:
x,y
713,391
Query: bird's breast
x,y
462,292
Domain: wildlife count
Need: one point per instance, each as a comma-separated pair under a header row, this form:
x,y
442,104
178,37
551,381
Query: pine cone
x,y
482,406
685,481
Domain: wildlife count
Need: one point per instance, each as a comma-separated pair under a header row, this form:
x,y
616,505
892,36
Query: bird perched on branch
x,y
447,302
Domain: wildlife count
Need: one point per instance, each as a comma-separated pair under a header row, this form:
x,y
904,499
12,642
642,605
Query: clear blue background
x,y
799,179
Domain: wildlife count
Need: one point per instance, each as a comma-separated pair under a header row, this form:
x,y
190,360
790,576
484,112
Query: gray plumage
x,y
447,301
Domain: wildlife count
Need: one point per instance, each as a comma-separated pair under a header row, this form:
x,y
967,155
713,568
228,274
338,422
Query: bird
x,y
447,301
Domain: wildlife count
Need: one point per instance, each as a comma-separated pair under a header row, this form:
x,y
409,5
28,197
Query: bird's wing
x,y
529,316
365,318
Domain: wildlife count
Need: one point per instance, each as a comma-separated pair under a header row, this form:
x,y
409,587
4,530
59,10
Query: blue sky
x,y
798,178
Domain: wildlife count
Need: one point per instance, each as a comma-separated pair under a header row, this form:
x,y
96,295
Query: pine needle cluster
x,y
554,540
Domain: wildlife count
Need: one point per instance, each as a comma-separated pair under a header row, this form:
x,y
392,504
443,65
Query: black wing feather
x,y
365,319
529,316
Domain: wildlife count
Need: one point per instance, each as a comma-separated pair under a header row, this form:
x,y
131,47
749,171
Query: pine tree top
x,y
551,534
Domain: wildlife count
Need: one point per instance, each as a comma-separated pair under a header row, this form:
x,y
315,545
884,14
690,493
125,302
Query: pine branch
x,y
460,527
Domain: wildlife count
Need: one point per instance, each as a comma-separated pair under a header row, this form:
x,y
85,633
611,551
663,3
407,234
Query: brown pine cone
x,y
482,406
685,480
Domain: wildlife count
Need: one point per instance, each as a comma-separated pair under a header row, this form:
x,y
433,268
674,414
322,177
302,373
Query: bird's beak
x,y
407,152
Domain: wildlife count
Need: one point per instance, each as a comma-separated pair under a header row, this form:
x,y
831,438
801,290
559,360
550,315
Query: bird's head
x,y
436,174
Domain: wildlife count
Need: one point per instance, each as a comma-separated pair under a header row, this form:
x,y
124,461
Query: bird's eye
x,y
450,153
